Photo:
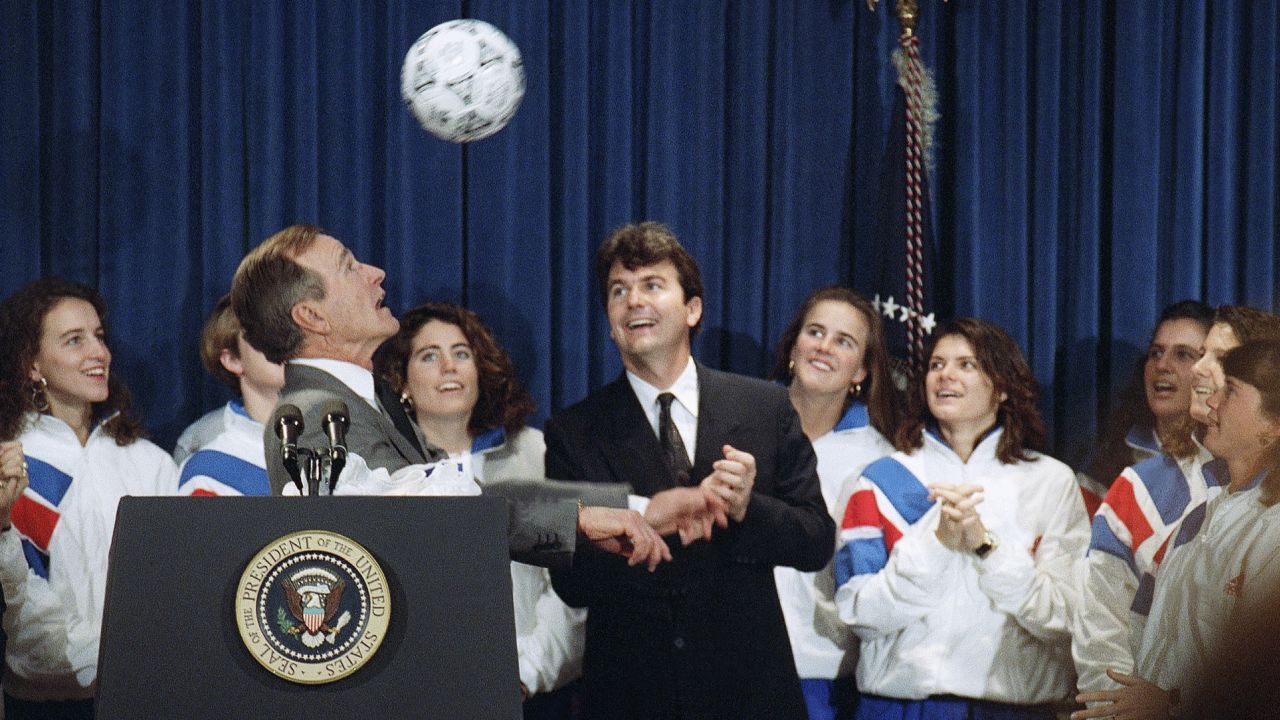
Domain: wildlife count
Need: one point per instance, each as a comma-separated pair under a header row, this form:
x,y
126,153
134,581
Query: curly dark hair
x,y
998,356
879,392
502,402
22,317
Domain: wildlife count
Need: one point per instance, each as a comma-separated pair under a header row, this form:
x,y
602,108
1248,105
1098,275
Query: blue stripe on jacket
x,y
242,475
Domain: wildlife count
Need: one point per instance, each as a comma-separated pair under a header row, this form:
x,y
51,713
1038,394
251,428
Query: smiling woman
x,y
461,390
1223,564
59,399
834,358
963,539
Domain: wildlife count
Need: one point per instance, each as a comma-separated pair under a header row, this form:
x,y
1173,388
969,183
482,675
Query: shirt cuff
x,y
639,503
529,676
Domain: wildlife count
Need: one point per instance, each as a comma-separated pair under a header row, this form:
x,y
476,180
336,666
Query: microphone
x,y
287,423
336,420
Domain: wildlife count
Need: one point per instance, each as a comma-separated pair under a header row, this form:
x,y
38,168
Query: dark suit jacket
x,y
542,528
703,637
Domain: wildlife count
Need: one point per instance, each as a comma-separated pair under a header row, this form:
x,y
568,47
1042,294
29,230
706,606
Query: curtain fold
x,y
1093,162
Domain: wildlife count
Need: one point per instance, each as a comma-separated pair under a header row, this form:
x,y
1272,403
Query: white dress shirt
x,y
353,376
684,411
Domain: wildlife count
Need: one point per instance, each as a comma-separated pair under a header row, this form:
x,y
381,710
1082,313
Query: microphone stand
x,y
320,466
320,469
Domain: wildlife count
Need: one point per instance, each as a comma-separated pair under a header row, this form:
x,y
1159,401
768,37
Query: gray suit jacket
x,y
543,521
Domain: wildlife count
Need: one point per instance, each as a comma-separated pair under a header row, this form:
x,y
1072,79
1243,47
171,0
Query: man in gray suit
x,y
304,299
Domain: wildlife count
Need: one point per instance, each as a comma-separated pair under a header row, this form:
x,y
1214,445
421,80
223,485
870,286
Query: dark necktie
x,y
672,444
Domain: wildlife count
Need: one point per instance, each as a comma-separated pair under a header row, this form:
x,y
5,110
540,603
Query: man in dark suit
x,y
703,637
304,299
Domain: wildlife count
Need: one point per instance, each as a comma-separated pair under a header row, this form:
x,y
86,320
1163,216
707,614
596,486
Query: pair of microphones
x,y
310,462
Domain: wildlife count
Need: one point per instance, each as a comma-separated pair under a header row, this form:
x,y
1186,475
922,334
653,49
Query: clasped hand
x,y
694,511
959,525
623,532
732,479
690,511
13,478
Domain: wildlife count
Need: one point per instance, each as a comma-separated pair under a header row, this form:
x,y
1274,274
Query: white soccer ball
x,y
463,80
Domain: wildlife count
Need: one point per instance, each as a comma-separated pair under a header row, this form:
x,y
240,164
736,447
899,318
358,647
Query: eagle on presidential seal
x,y
313,596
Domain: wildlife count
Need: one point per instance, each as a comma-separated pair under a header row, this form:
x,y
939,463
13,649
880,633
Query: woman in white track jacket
x,y
955,570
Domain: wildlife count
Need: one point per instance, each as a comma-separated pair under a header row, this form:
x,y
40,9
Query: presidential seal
x,y
313,607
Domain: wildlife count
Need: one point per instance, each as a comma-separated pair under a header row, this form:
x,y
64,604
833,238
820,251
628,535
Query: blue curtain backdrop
x,y
1095,160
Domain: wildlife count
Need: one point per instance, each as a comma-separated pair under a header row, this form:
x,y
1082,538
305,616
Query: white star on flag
x,y
889,307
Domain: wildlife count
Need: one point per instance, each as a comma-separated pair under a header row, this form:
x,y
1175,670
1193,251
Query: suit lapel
x,y
630,447
715,426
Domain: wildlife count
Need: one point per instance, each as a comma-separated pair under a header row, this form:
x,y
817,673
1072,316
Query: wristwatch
x,y
989,542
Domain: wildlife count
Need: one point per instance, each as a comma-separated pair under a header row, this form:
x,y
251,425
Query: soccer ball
x,y
463,80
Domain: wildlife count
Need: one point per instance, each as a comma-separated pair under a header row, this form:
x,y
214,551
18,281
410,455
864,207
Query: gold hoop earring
x,y
407,403
39,396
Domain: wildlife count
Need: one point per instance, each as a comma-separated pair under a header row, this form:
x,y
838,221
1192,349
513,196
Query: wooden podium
x,y
171,646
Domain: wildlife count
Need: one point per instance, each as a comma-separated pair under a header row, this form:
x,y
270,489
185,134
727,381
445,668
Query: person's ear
x,y
310,318
1268,437
694,306
231,362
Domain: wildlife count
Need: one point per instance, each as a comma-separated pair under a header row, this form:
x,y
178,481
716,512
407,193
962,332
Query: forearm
x,y
39,626
1036,584
1101,633
906,589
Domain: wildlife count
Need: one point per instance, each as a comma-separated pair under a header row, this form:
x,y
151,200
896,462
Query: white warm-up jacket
x,y
1224,560
1130,534
550,635
823,646
232,463
53,564
936,621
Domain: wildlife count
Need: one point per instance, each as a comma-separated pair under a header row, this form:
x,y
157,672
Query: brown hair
x,y
1248,323
22,318
1001,359
502,402
221,332
643,244
1114,453
266,286
878,390
1257,362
